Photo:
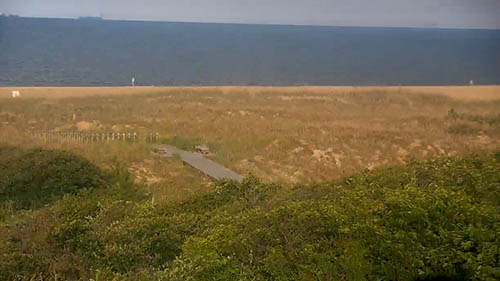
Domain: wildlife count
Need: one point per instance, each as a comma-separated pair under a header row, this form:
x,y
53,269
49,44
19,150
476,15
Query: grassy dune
x,y
279,134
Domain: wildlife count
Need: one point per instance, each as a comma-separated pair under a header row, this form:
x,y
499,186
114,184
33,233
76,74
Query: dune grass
x,y
290,135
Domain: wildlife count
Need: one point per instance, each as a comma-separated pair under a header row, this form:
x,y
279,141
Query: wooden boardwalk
x,y
197,161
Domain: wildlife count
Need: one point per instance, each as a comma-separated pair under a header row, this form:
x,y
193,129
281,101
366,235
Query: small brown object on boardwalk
x,y
203,150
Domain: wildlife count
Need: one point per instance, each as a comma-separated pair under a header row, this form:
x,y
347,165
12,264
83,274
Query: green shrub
x,y
32,178
301,241
439,217
66,237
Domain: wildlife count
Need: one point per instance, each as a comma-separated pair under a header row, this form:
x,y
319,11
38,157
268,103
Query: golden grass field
x,y
281,134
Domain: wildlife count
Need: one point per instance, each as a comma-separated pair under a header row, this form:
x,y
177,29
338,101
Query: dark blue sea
x,y
65,52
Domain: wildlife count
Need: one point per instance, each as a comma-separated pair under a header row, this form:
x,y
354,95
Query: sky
x,y
397,13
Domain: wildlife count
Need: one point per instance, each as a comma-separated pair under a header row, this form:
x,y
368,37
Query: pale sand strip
x,y
457,92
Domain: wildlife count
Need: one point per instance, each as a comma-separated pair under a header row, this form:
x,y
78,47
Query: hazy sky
x,y
442,13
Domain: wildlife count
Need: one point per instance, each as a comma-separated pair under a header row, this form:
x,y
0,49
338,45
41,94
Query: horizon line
x,y
101,18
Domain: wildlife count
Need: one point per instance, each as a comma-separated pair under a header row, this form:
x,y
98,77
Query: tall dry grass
x,y
295,134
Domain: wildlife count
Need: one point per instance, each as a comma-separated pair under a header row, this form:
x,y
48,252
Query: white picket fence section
x,y
97,136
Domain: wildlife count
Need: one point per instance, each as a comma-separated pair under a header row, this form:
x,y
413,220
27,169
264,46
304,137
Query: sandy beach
x,y
457,92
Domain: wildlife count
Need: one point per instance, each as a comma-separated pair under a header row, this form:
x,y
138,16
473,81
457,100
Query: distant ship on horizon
x,y
8,15
90,18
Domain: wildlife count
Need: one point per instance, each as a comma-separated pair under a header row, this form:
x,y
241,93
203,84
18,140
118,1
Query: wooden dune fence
x,y
97,136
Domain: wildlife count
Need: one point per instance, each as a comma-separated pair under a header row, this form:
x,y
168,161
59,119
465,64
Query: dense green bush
x,y
441,216
63,239
32,178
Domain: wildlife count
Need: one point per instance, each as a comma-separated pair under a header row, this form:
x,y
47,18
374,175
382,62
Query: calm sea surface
x,y
101,53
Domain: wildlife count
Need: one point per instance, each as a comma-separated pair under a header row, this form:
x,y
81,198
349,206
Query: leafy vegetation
x,y
32,178
438,217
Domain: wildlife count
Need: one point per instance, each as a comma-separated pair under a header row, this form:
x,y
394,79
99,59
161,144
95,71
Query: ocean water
x,y
64,52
